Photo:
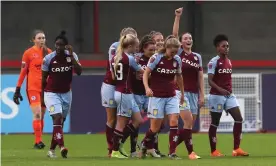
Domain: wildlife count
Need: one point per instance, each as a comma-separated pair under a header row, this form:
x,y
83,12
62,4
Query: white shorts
x,y
58,102
107,94
126,104
218,103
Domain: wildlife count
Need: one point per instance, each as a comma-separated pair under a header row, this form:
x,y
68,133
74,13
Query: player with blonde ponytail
x,y
119,52
123,65
108,90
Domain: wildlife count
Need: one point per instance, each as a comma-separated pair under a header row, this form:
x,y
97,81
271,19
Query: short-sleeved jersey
x,y
137,82
163,72
32,61
191,65
111,53
123,73
60,72
221,68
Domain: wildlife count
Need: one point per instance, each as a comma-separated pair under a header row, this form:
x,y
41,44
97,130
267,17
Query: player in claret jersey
x,y
122,63
57,74
192,74
107,92
146,50
31,67
221,96
163,67
159,43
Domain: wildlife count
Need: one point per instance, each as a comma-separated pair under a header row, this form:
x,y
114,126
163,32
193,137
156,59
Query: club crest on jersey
x,y
151,59
33,97
174,64
210,65
113,51
68,59
35,55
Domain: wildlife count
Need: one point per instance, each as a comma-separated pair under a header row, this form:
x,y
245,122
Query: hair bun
x,y
63,32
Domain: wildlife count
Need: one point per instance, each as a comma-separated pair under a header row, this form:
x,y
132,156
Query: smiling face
x,y
159,40
187,41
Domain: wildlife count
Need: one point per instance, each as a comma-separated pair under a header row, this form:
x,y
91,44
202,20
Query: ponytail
x,y
124,42
119,53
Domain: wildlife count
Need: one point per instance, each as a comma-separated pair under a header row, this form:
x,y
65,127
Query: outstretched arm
x,y
178,13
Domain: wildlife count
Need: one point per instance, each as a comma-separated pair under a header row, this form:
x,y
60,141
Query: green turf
x,y
90,150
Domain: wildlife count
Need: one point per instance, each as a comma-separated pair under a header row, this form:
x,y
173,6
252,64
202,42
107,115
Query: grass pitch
x,y
90,150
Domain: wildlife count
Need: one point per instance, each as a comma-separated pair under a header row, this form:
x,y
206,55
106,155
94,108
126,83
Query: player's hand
x,y
224,92
70,49
178,12
17,96
201,101
149,92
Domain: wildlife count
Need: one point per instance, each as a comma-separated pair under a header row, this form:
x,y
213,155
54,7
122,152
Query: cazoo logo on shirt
x,y
61,69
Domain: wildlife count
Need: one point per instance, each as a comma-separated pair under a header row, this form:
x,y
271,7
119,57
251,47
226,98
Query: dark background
x,y
93,26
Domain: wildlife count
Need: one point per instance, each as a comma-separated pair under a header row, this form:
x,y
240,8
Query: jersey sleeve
x,y
134,64
112,64
24,68
179,52
212,66
200,62
76,57
46,63
111,54
179,64
153,61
